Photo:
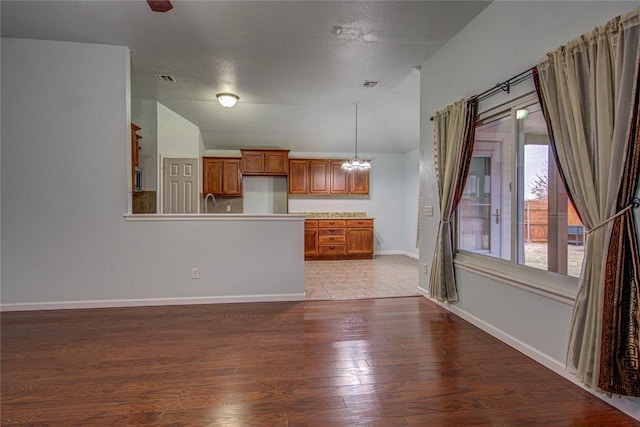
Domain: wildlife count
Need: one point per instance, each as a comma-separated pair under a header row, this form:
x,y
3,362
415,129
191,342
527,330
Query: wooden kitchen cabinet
x,y
325,177
331,239
211,176
339,178
298,176
310,238
231,177
221,176
265,162
319,175
359,182
360,237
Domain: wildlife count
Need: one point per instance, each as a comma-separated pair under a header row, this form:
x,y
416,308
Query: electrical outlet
x,y
228,208
428,211
195,273
424,268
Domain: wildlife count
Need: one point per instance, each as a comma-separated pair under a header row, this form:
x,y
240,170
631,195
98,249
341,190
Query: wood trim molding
x,y
69,305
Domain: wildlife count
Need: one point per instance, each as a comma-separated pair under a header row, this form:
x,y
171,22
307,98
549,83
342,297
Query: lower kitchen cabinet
x,y
310,238
360,237
338,239
332,235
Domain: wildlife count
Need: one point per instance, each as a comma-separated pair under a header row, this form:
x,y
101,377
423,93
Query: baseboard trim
x,y
621,403
405,253
70,305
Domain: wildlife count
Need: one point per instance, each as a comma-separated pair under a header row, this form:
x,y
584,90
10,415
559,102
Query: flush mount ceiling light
x,y
356,163
227,100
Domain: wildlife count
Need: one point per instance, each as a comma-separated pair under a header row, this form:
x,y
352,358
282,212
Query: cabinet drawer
x,y
360,223
332,249
330,223
310,223
332,240
332,231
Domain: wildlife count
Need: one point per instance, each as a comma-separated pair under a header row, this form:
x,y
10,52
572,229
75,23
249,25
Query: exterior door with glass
x,y
480,209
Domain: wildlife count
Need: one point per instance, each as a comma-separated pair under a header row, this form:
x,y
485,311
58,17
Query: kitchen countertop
x,y
332,215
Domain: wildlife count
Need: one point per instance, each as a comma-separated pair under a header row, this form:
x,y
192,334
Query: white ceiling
x,y
296,80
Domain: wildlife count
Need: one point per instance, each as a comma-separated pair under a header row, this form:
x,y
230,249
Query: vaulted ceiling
x,y
296,77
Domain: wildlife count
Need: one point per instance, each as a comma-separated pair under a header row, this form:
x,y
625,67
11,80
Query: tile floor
x,y
382,276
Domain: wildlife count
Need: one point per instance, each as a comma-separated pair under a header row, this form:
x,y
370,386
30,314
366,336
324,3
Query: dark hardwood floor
x,y
378,362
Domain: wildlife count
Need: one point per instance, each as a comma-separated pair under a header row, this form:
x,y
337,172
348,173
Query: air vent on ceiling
x,y
165,78
369,83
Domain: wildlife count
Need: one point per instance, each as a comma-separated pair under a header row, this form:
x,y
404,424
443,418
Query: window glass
x,y
484,212
519,213
550,234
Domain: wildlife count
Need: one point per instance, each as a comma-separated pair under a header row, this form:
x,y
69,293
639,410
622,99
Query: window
x,y
514,206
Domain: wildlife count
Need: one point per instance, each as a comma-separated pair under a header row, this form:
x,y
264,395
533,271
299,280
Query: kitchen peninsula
x,y
337,235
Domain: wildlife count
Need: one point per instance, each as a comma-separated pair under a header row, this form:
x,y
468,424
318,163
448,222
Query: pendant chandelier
x,y
356,163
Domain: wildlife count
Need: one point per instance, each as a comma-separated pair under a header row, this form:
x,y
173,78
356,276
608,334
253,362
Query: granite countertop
x,y
332,215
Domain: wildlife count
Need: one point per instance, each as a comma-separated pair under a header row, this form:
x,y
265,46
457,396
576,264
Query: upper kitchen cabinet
x,y
320,177
265,162
221,176
325,177
298,176
339,178
359,182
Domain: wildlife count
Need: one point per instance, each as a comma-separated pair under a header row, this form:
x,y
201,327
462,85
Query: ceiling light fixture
x,y
227,100
522,114
356,163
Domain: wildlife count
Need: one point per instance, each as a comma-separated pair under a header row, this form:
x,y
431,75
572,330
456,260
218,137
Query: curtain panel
x,y
453,130
589,93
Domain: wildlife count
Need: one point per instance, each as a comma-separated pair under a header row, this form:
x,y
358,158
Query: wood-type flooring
x,y
376,362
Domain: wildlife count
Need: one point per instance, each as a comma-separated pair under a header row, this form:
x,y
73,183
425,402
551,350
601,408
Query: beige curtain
x,y
588,91
453,147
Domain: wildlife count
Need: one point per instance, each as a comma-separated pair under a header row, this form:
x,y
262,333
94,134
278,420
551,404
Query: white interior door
x,y
180,179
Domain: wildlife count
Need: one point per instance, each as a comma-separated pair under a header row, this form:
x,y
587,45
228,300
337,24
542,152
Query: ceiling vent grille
x,y
165,78
369,83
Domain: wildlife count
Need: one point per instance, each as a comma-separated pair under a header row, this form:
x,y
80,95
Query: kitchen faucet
x,y
213,199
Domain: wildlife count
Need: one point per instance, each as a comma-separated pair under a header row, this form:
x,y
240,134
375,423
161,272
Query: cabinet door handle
x,y
359,222
332,238
332,247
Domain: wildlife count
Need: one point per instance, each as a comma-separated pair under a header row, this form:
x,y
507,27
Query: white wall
x,y
177,136
144,113
166,132
385,202
410,210
65,180
504,40
264,194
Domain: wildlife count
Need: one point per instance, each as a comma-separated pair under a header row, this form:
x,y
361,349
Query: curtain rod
x,y
505,86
